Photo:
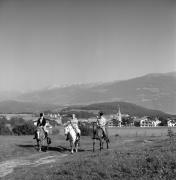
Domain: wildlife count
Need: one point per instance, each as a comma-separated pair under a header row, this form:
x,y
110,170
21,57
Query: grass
x,y
151,162
141,157
140,131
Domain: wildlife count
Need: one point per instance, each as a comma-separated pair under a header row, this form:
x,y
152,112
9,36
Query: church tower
x,y
119,117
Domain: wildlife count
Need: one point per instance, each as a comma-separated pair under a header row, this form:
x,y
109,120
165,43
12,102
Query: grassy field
x,y
140,131
136,131
145,156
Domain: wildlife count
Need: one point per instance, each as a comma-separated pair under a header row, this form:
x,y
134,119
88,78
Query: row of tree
x,y
16,126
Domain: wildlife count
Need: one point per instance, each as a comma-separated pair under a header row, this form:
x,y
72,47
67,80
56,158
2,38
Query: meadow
x,y
140,131
147,155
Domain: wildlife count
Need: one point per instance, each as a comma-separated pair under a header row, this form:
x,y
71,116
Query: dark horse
x,y
41,138
99,135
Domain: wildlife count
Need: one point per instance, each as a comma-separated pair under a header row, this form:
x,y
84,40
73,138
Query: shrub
x,y
86,129
4,130
25,129
16,121
3,120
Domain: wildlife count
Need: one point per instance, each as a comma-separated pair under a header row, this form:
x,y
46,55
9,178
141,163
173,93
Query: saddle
x,y
95,133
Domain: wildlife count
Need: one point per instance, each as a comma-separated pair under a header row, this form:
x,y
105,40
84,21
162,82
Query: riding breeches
x,y
76,128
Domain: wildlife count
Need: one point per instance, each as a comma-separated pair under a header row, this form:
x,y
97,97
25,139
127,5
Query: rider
x,y
74,122
41,122
101,123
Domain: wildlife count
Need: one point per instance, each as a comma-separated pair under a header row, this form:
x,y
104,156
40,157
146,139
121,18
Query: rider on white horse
x,y
74,124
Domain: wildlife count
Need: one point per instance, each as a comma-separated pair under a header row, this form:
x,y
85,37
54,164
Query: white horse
x,y
74,141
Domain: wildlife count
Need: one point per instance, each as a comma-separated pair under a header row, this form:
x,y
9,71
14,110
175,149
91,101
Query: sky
x,y
47,42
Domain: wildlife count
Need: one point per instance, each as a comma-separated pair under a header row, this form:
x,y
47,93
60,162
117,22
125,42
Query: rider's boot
x,y
35,136
46,135
78,136
67,138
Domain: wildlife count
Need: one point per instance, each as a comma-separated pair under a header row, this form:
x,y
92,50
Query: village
x,y
118,120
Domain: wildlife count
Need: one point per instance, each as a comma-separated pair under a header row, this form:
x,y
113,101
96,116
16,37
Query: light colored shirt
x,y
101,121
74,121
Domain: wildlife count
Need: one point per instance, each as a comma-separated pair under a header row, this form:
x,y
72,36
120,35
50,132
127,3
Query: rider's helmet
x,y
101,113
41,114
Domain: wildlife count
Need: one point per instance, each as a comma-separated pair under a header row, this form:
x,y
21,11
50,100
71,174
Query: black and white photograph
x,y
87,89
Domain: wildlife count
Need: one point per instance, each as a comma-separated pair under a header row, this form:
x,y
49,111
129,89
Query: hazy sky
x,y
44,42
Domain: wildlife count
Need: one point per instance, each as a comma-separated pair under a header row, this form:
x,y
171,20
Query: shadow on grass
x,y
60,149
28,146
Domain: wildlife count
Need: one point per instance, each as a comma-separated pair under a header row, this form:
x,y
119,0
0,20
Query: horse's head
x,y
40,133
39,129
66,129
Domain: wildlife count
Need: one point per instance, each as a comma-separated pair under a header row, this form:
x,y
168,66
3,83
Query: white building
x,y
171,123
148,122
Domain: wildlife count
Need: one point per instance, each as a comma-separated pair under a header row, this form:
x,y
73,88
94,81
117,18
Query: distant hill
x,y
154,91
125,108
82,110
24,107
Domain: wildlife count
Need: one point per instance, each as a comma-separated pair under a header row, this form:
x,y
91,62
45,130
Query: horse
x,y
72,135
41,138
99,135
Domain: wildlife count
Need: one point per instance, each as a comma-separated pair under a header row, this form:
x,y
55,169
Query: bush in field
x,y
127,120
137,123
163,121
16,121
4,130
3,120
25,129
86,129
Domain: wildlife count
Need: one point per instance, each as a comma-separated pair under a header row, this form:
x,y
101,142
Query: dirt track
x,y
7,167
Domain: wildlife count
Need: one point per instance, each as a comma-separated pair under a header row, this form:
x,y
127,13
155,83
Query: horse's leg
x,y
76,146
40,146
79,142
47,147
107,143
93,145
71,145
47,144
100,144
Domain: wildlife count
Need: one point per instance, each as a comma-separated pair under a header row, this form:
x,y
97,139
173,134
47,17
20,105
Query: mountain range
x,y
153,91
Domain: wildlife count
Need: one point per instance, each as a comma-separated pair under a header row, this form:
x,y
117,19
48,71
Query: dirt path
x,y
7,167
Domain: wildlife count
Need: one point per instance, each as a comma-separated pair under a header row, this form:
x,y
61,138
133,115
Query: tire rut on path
x,y
7,167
